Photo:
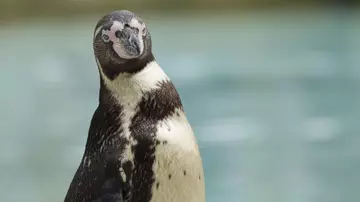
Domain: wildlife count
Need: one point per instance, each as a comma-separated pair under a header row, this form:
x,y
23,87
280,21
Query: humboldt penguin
x,y
140,145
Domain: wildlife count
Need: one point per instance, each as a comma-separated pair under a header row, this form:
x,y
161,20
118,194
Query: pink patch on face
x,y
117,26
112,36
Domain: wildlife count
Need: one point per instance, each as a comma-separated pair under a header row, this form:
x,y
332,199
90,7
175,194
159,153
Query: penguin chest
x,y
178,167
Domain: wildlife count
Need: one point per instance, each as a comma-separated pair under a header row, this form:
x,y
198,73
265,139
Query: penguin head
x,y
121,38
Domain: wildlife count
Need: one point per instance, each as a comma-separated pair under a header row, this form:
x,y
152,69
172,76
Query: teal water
x,y
273,99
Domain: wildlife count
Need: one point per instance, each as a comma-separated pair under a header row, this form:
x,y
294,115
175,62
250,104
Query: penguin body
x,y
140,147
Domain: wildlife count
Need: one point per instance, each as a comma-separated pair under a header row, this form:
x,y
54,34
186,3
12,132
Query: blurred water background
x,y
272,91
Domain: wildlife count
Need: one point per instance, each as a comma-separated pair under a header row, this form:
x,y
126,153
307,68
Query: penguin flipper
x,y
113,189
110,198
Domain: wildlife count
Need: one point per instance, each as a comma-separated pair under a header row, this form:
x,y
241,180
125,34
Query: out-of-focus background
x,y
271,87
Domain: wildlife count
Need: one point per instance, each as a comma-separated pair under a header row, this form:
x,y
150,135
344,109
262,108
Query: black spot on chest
x,y
157,185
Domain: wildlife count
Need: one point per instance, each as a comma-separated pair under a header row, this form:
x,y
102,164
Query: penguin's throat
x,y
128,89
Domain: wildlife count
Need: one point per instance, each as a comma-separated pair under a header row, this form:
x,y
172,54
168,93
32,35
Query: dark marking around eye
x,y
157,185
169,176
105,37
118,34
143,31
184,172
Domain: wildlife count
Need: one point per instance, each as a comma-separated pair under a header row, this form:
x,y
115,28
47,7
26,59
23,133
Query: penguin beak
x,y
135,43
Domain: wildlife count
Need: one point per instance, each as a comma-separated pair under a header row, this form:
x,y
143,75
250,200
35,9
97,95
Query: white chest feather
x,y
178,167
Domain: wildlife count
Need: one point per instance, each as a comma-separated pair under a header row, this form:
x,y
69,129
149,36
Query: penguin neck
x,y
127,88
112,69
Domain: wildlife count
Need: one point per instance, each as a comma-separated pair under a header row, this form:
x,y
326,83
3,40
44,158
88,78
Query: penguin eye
x,y
105,37
143,31
118,34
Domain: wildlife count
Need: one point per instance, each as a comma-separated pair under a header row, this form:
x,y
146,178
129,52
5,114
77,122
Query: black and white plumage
x,y
140,146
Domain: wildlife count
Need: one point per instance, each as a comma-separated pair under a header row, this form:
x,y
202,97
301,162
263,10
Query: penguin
x,y
140,145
